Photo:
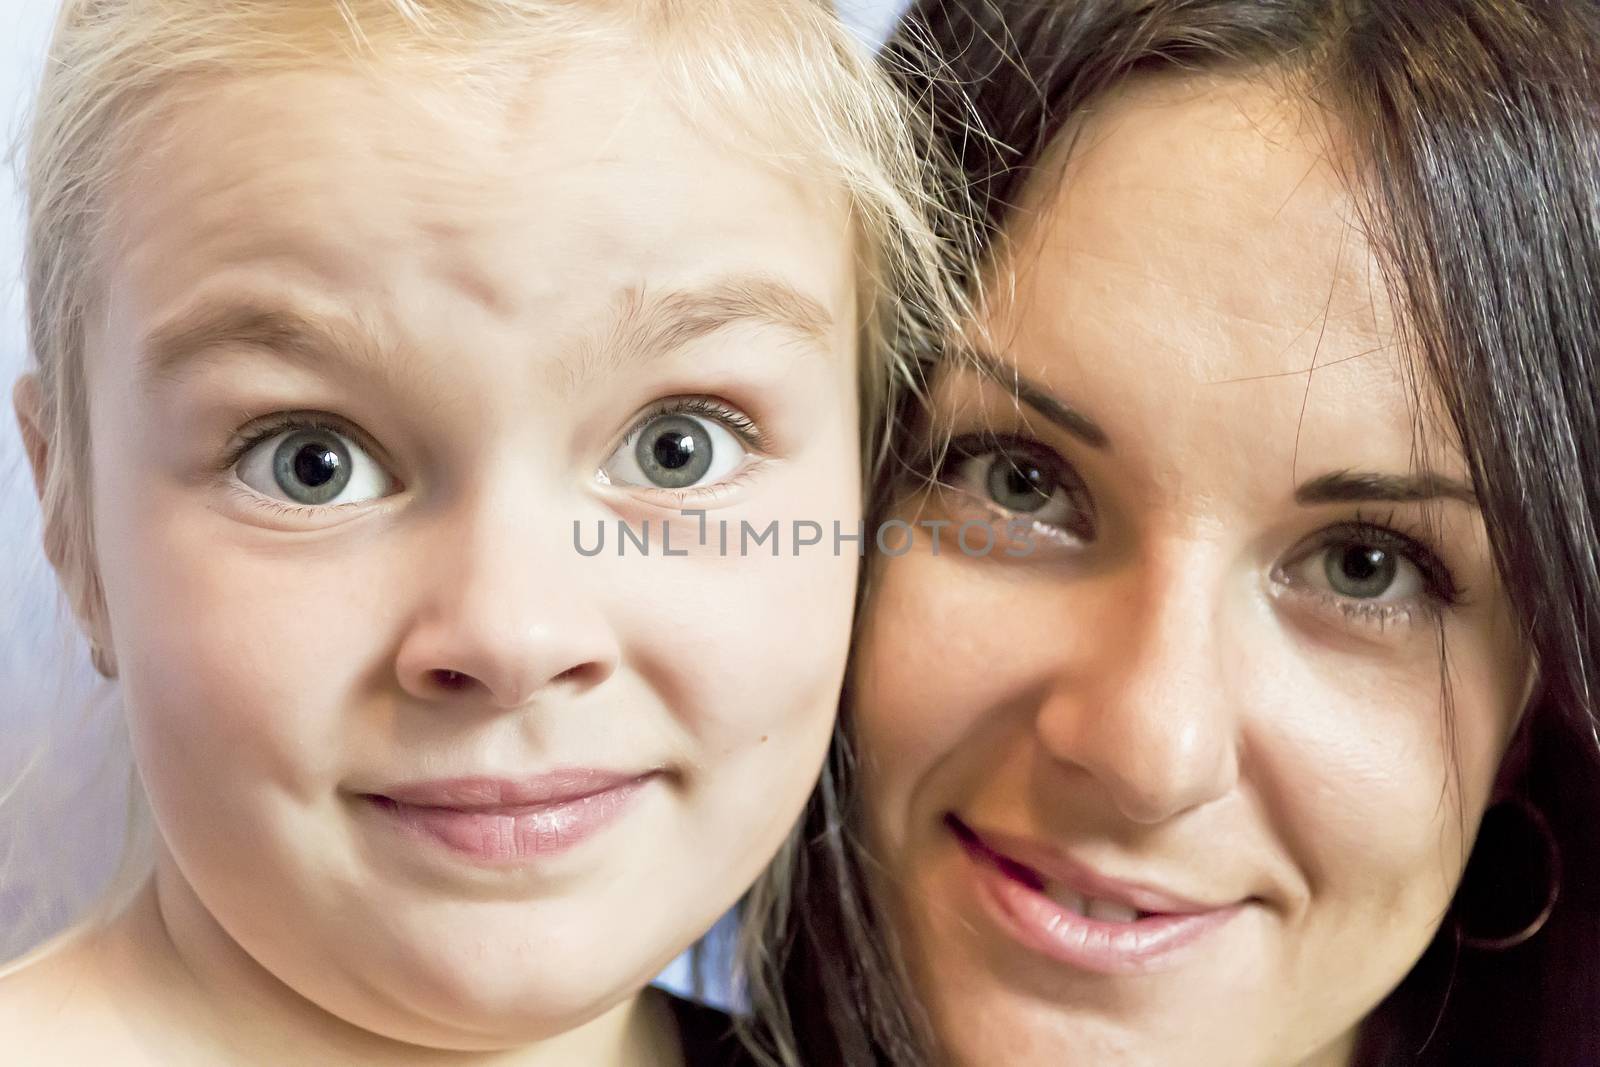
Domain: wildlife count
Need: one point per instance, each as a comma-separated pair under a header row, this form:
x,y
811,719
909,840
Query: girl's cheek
x,y
736,641
236,658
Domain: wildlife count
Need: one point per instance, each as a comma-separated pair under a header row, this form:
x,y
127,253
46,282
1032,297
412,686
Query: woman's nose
x,y
1148,711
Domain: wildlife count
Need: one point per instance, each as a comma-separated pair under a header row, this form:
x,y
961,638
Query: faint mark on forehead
x,y
647,322
642,325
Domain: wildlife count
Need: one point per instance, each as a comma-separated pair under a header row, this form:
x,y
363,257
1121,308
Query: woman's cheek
x,y
913,701
1349,770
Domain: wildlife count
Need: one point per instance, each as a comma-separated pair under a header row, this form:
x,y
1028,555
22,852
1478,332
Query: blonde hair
x,y
783,66
782,77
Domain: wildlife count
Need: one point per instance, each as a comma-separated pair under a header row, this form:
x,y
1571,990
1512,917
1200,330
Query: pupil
x,y
1022,482
316,465
312,466
1362,562
1020,485
1361,572
674,450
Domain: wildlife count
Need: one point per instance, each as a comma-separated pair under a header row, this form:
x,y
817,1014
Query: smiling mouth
x,y
1090,907
1073,915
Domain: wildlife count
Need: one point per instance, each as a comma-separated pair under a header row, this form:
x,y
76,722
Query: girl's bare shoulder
x,y
58,1004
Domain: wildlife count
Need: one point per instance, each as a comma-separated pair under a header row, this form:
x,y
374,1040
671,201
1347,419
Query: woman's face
x,y
370,351
1179,785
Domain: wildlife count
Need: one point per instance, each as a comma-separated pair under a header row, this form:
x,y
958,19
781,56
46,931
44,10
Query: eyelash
x,y
734,419
941,469
1412,542
1387,532
265,429
740,424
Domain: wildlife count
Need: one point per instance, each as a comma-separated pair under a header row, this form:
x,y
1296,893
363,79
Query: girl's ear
x,y
27,399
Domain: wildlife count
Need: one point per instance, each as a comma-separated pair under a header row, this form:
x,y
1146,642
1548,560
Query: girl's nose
x,y
507,614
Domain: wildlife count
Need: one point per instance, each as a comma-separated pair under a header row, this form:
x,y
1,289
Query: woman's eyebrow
x,y
645,324
1036,396
1342,487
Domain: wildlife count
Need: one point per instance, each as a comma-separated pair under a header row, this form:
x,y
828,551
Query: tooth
x,y
1108,912
1065,897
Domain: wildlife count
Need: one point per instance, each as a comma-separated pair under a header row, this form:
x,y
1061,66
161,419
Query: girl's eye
x,y
312,466
1357,569
676,450
1022,481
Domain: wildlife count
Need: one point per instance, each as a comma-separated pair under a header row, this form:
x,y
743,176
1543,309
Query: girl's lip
x,y
507,823
478,793
1015,894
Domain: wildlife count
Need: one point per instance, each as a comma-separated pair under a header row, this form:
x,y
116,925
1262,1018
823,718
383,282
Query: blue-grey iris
x,y
311,466
674,451
1016,483
1360,571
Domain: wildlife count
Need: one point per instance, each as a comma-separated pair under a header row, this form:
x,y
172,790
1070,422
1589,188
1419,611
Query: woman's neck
x,y
1341,1053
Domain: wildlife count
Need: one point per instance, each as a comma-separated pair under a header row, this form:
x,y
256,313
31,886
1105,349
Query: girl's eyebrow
x,y
649,324
645,325
218,324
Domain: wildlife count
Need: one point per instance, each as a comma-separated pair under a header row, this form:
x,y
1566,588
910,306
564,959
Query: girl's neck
x,y
195,995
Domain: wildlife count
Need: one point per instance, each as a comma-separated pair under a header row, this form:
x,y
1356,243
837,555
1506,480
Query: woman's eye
x,y
313,466
1023,484
1018,484
676,451
1364,570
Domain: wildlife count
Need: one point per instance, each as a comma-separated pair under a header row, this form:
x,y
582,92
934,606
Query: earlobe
x,y
27,399
105,662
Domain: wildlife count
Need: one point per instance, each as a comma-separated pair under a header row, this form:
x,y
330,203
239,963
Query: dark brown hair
x,y
1474,127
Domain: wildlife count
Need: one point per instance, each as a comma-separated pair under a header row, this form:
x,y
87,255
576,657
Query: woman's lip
x,y
500,822
1025,855
1148,944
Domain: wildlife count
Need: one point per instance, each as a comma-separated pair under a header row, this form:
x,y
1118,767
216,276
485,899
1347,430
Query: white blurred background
x,y
40,724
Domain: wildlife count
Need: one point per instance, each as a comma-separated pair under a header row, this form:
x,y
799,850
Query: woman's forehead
x,y
1199,258
1215,191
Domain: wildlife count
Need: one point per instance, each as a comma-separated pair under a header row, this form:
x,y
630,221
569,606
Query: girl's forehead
x,y
366,183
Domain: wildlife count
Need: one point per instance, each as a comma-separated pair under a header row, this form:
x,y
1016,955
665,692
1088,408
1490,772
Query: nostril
x,y
582,673
451,680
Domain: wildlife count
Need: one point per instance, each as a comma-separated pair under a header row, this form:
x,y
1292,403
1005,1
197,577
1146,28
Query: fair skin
x,y
1176,787
542,285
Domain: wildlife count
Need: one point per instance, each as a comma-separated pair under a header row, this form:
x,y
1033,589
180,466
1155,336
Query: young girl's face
x,y
1180,786
369,350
